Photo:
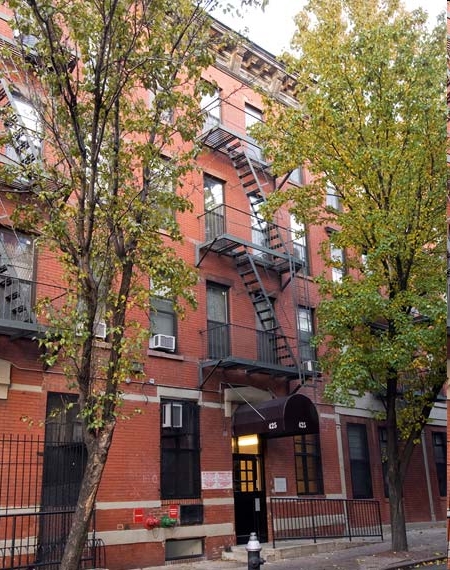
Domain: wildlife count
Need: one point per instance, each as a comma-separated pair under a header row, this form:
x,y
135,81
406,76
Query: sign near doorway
x,y
217,480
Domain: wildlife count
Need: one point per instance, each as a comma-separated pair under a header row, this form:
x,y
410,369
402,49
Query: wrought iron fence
x,y
39,484
299,518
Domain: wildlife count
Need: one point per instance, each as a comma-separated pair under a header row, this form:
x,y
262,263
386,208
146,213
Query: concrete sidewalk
x,y
426,543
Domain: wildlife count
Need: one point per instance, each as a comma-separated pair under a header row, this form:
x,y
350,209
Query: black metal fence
x,y
300,518
39,484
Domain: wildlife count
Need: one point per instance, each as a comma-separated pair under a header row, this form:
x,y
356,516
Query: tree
x,y
113,89
370,128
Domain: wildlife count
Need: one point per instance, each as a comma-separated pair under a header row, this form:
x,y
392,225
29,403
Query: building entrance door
x,y
250,512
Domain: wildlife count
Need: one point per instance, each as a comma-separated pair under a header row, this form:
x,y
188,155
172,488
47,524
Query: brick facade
x,y
132,478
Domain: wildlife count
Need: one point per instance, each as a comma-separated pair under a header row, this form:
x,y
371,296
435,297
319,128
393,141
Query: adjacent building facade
x,y
232,413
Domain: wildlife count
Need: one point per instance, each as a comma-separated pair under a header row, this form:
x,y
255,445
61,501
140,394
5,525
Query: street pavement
x,y
427,544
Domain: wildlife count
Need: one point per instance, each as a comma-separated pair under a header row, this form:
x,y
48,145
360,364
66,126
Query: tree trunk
x,y
395,477
97,448
399,541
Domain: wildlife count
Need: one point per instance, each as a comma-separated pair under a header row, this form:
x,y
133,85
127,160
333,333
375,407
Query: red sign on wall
x,y
173,511
138,515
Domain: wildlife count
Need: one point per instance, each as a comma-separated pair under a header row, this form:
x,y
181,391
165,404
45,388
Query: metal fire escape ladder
x,y
250,276
253,178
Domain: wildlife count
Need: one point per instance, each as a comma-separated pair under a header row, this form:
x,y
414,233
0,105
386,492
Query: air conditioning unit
x,y
308,365
162,342
100,330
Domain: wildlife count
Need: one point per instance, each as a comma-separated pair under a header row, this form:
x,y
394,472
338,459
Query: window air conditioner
x,y
100,330
308,365
162,342
172,415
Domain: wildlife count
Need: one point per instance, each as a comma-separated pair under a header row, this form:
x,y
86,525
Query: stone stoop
x,y
285,551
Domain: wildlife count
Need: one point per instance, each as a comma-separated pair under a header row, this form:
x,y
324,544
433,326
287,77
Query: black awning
x,y
280,417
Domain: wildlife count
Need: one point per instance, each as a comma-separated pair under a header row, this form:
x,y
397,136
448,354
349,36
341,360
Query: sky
x,y
273,28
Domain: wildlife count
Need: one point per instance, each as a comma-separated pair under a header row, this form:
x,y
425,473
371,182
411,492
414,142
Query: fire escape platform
x,y
220,138
227,244
251,367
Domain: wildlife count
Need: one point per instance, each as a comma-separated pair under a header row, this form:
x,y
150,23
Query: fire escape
x,y
251,260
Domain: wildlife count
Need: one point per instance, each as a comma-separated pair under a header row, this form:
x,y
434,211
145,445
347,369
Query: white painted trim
x,y
177,393
26,388
109,505
141,398
135,536
218,501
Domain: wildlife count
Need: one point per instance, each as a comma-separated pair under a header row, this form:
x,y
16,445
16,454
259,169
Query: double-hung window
x,y
440,457
16,274
299,243
359,461
23,123
180,450
217,320
214,207
210,108
305,327
337,256
253,116
308,464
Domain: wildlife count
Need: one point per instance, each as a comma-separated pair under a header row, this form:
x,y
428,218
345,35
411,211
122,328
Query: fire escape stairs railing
x,y
253,180
249,274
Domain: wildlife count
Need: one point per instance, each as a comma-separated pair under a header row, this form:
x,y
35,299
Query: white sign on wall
x,y
217,480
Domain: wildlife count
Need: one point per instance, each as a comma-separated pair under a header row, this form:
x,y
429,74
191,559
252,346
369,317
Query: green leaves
x,y
369,122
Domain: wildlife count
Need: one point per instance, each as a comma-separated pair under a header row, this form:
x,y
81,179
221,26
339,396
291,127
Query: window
x,y
305,329
296,176
16,274
359,461
308,464
217,320
253,116
337,257
163,318
159,181
440,455
210,106
24,128
299,244
158,102
260,227
180,450
214,207
332,197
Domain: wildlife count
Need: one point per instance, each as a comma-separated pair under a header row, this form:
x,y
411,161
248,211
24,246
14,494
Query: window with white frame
x,y
253,116
23,123
299,243
162,312
159,181
158,102
332,197
297,176
337,256
305,326
214,206
210,106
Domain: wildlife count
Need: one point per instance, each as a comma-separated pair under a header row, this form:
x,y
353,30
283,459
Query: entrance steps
x,y
290,549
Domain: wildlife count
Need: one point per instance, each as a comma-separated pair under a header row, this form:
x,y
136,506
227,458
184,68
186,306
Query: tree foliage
x,y
116,87
370,127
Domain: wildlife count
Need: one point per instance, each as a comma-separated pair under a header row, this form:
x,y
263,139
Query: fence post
x,y
347,517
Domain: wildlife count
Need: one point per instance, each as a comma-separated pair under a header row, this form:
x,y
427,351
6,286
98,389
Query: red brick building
x,y
231,396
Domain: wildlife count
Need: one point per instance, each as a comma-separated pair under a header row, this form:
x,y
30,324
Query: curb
x,y
415,564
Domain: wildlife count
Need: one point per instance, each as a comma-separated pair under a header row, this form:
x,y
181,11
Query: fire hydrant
x,y
253,549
